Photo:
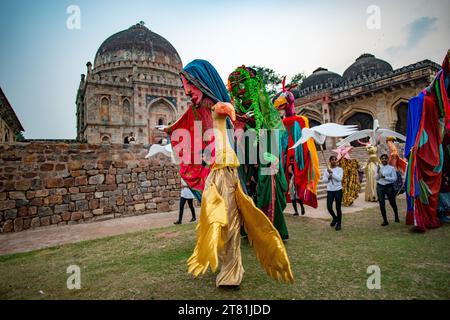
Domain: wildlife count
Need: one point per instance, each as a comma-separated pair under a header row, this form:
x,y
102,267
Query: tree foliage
x,y
270,78
297,79
20,137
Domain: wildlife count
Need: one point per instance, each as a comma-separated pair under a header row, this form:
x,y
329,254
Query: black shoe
x,y
303,212
338,227
397,220
333,223
295,214
193,219
385,223
177,222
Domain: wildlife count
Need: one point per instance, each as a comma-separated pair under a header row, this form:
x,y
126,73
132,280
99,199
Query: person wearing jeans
x,y
333,176
385,177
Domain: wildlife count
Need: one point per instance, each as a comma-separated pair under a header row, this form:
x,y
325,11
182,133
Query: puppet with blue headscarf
x,y
210,167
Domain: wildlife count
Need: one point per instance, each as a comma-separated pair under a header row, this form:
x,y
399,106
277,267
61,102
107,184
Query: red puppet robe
x,y
427,155
306,167
194,168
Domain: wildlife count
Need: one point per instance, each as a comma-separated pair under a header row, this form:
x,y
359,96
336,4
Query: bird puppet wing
x,y
320,133
157,148
358,135
389,133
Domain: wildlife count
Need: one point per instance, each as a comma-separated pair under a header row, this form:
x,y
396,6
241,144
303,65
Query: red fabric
x,y
427,159
301,177
445,101
194,173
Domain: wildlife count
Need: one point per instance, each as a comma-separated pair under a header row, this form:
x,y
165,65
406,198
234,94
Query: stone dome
x,y
321,78
366,66
139,44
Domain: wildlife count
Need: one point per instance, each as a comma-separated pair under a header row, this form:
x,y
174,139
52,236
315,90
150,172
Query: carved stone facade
x,y
133,86
9,123
369,89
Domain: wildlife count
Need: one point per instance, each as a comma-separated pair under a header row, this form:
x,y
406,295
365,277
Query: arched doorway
x,y
402,118
313,123
363,121
160,112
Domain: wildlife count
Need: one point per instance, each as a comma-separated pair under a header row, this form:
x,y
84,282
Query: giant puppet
x,y
224,205
250,97
427,149
306,173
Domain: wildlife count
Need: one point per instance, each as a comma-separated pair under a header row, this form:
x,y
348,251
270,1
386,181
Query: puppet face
x,y
192,91
240,85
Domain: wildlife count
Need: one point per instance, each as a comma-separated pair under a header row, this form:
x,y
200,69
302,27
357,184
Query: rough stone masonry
x,y
52,183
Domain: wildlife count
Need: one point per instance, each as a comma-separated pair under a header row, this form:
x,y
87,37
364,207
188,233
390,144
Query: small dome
x,y
137,43
366,66
321,78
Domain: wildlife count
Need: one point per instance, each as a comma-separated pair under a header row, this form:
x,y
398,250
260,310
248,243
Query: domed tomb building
x,y
133,86
369,89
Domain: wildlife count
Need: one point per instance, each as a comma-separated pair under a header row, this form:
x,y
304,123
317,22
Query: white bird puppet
x,y
320,133
158,148
374,135
164,148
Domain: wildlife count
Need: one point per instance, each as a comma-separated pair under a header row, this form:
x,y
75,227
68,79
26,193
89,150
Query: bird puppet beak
x,y
226,109
280,103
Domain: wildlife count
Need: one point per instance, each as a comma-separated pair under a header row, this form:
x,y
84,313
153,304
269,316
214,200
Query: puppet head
x,y
286,99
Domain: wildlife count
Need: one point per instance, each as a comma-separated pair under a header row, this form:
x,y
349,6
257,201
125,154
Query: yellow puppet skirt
x,y
225,207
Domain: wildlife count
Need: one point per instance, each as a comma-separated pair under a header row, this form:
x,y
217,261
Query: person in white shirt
x,y
333,177
186,195
385,177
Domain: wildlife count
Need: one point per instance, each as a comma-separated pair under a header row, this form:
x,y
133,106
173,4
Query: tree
x,y
270,78
297,79
19,137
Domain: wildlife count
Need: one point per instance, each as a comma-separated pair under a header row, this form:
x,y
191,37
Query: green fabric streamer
x,y
425,192
439,96
438,168
423,138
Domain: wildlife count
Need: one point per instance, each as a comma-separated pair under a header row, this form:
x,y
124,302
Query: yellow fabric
x,y
350,182
264,238
223,210
211,232
314,161
225,155
370,171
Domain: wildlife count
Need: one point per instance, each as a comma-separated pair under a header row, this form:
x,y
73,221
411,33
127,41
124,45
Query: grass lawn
x,y
326,264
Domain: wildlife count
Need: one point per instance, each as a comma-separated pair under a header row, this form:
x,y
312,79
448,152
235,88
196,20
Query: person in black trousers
x,y
186,196
333,176
386,176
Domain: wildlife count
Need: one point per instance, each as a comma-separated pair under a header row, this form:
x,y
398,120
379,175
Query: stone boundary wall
x,y
54,183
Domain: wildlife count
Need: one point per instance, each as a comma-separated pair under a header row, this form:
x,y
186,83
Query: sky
x,y
41,58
